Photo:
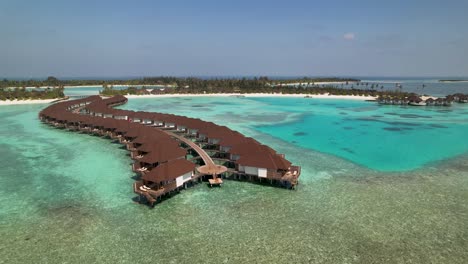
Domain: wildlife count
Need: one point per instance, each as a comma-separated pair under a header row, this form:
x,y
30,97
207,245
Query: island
x,y
168,81
453,80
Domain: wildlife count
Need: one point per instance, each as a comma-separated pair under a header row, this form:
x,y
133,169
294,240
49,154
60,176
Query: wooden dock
x,y
215,182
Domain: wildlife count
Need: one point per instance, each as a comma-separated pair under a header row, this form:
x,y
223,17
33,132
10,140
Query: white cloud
x,y
349,36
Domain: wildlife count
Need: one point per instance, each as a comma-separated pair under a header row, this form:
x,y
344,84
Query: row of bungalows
x,y
155,153
263,162
387,100
257,160
415,100
438,102
459,98
166,169
222,139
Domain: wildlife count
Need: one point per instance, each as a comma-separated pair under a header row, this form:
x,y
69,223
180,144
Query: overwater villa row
x,y
173,152
418,101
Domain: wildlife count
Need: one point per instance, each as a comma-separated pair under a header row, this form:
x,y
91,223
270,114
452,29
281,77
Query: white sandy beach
x,y
315,83
311,96
76,86
17,102
80,86
317,96
87,86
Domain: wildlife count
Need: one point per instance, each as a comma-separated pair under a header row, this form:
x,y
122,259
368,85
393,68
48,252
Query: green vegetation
x,y
25,94
190,85
109,91
255,85
166,81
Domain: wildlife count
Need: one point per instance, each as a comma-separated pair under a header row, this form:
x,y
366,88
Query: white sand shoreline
x,y
311,96
316,96
84,86
69,86
132,96
149,85
18,102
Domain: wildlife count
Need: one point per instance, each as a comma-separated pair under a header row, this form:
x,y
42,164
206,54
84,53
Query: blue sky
x,y
206,38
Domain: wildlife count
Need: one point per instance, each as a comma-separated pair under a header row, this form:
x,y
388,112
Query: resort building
x,y
172,152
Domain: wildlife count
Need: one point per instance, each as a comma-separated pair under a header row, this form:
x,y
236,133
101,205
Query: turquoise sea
x,y
380,184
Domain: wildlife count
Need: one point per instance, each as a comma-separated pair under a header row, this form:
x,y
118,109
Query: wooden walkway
x,y
210,168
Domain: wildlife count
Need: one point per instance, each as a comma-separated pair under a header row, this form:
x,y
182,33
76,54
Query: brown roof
x,y
161,147
140,130
262,160
163,153
414,98
152,145
153,136
250,146
236,139
169,171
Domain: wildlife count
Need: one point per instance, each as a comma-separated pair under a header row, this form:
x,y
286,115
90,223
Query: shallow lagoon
x,y
66,197
386,138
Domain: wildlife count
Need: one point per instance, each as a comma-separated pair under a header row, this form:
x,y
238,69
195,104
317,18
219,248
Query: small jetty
x,y
171,152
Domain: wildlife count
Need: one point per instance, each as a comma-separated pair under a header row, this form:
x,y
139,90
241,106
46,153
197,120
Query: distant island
x,y
169,81
258,85
53,88
453,80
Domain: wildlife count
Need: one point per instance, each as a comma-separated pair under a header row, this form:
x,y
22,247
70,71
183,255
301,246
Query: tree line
x,y
246,89
172,81
28,94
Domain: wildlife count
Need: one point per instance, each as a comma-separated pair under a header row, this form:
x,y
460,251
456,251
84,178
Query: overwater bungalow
x,y
120,115
430,102
227,143
169,125
448,101
266,166
148,147
149,139
439,102
179,171
109,126
380,100
416,101
216,135
443,102
161,155
135,118
463,99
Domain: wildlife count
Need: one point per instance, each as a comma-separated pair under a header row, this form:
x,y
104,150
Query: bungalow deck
x,y
215,182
